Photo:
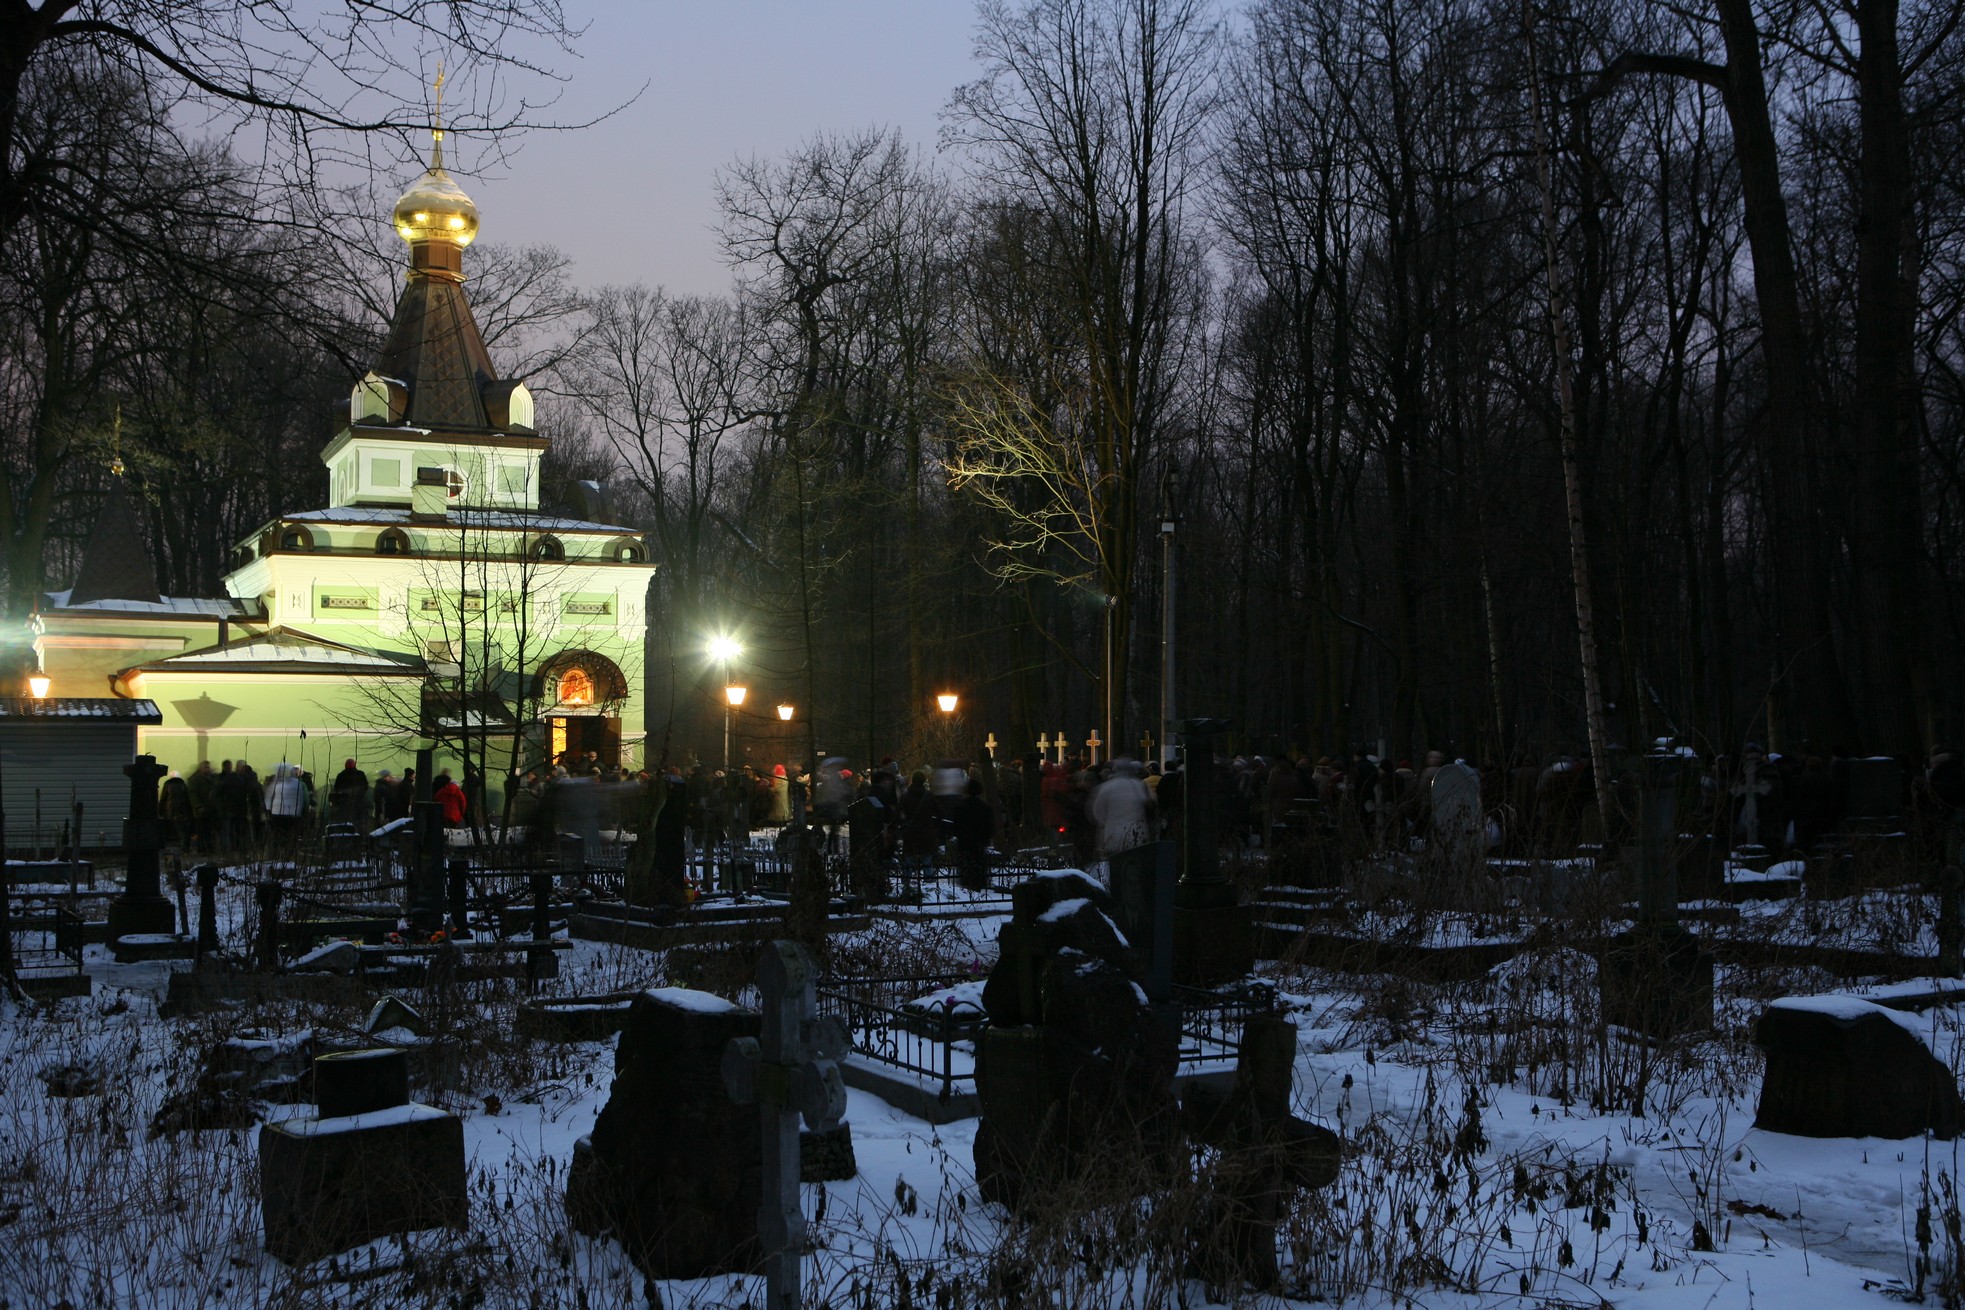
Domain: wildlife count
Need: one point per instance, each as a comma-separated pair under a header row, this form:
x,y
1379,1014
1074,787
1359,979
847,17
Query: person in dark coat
x,y
174,809
671,839
974,824
921,831
348,795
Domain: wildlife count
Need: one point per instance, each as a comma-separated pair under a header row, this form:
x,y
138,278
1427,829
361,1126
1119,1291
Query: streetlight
x,y
947,701
733,699
38,684
724,649
784,714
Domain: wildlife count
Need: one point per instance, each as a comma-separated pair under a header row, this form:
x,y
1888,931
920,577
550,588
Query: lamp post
x,y
724,649
785,711
37,685
1169,521
733,698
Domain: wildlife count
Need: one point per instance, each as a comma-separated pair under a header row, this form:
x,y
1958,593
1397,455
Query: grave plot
x,y
1034,1106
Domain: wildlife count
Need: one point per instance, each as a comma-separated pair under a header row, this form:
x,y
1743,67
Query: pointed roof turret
x,y
116,565
434,347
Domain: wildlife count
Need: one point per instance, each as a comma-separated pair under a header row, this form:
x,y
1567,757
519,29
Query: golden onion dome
x,y
435,208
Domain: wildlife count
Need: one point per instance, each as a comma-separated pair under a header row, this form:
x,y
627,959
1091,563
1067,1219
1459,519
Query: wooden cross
x,y
1145,745
1043,747
789,1070
1092,744
989,744
1061,744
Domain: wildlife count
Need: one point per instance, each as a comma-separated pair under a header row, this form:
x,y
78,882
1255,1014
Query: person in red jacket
x,y
451,796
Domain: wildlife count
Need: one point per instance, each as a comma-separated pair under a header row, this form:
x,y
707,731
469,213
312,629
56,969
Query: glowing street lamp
x,y
38,684
735,695
947,701
723,649
784,713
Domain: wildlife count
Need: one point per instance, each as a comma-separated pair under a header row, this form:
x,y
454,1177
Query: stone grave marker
x,y
1875,789
1143,907
1456,814
788,1070
1841,1066
673,1169
142,908
368,1163
1214,933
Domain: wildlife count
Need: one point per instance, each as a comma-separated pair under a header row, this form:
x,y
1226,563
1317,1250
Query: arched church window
x,y
393,542
296,539
548,548
629,554
576,687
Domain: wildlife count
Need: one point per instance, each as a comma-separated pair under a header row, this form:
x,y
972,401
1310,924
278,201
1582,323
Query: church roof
x,y
463,516
282,650
434,346
80,707
229,607
116,565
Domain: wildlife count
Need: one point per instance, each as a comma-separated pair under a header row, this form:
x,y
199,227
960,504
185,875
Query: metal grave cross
x,y
1043,748
789,1070
1093,744
989,744
1061,745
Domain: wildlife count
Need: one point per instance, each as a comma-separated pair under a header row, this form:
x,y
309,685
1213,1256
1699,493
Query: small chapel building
x,y
430,604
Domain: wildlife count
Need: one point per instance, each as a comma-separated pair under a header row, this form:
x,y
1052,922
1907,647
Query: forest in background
x,y
1452,325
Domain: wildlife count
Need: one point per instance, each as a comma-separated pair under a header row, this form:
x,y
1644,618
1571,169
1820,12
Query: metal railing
x,y
893,1022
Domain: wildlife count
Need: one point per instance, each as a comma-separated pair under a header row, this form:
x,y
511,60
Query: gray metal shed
x,y
56,751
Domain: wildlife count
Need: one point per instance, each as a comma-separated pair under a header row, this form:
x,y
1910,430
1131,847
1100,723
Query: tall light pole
x,y
724,649
785,711
733,700
1168,522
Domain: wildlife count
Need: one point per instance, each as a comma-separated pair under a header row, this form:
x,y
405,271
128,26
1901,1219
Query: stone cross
x,y
1092,744
142,907
989,744
789,1069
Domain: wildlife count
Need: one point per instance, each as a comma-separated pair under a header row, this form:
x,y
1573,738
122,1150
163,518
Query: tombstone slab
x,y
673,1169
1455,801
1840,1066
331,1181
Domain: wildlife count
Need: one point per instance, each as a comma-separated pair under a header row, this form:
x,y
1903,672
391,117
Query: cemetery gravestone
x,y
673,1169
142,907
1214,934
1875,789
367,1164
1456,814
1656,978
1075,1070
1266,1154
787,1071
1840,1066
1143,907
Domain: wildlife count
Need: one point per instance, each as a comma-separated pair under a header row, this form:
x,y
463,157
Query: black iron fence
x,y
927,1024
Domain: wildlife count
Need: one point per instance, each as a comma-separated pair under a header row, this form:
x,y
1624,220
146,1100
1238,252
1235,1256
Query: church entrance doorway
x,y
574,736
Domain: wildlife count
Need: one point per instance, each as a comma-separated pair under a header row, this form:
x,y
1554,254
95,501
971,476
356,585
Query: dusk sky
x,y
726,78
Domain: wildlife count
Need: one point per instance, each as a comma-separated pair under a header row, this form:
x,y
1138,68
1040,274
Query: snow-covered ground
x,y
1502,1150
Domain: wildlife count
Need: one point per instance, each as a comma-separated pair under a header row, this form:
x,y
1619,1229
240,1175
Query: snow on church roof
x,y
283,651
458,517
229,607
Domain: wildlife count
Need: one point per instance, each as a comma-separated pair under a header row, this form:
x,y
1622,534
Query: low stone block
x,y
330,1184
1839,1066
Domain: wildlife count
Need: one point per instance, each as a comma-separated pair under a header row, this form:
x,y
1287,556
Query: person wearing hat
x,y
779,809
348,796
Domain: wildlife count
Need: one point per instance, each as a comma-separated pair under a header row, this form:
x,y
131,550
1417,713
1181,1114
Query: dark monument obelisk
x,y
143,907
1214,934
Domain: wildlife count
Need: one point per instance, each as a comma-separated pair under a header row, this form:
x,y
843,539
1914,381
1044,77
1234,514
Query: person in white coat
x,y
285,797
1122,809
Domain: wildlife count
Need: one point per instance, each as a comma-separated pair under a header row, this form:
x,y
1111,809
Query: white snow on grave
x,y
1837,1006
687,998
354,1123
963,999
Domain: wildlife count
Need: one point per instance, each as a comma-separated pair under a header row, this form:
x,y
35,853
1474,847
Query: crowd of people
x,y
916,817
